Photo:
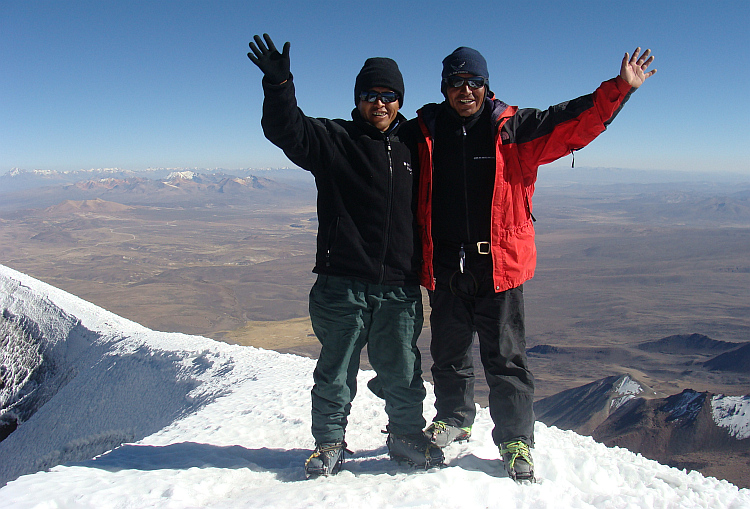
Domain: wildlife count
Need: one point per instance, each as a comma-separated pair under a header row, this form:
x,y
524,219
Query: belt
x,y
482,248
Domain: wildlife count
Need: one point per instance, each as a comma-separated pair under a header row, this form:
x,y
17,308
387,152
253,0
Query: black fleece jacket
x,y
464,178
365,193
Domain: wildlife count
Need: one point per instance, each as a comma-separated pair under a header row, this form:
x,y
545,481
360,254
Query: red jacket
x,y
524,140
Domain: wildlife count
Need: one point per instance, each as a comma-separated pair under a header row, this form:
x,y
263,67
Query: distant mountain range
x,y
583,409
19,179
733,357
686,422
687,344
609,409
157,187
697,430
670,197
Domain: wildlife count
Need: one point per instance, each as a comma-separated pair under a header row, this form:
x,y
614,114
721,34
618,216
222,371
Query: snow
x,y
206,424
732,412
187,175
628,389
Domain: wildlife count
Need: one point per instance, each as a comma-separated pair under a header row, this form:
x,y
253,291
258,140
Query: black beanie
x,y
379,72
464,60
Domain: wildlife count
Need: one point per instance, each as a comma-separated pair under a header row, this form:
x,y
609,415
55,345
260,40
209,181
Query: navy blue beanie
x,y
379,72
464,60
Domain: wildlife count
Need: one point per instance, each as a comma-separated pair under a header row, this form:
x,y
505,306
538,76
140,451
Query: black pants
x,y
465,303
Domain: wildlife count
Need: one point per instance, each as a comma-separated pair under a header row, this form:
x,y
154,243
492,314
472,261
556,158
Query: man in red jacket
x,y
478,161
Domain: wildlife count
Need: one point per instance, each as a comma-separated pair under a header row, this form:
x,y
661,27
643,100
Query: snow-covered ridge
x,y
732,412
204,424
17,172
85,353
20,377
20,172
186,175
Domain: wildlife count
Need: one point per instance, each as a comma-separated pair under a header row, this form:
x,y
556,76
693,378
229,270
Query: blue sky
x,y
139,84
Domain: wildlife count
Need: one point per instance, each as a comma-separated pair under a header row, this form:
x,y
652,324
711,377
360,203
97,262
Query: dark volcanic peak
x,y
687,344
545,350
95,205
693,206
684,406
737,361
583,408
727,206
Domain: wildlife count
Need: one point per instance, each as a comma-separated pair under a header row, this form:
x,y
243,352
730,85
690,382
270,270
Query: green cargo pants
x,y
347,314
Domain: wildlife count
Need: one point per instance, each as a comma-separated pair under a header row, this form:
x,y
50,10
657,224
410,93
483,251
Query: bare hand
x,y
633,70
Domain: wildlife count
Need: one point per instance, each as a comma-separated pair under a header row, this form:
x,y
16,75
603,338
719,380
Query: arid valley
x,y
622,261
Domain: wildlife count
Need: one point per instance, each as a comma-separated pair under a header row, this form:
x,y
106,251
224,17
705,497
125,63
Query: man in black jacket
x,y
367,290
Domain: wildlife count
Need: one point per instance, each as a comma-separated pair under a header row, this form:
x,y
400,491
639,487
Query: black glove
x,y
275,65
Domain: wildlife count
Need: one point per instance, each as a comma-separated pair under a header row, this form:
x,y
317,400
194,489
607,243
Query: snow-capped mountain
x,y
186,175
124,416
584,408
711,432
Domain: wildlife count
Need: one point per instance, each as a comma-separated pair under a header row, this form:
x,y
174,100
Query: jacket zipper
x,y
333,231
466,183
389,206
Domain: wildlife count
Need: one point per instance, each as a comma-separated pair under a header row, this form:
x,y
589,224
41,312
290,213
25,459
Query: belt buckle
x,y
483,248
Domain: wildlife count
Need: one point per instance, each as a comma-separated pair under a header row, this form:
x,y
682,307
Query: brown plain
x,y
618,266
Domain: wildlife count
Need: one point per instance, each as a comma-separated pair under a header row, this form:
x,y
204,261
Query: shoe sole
x,y
529,481
403,460
313,475
523,479
322,473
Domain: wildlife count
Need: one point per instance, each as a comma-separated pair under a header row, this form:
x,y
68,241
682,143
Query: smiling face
x,y
464,99
379,114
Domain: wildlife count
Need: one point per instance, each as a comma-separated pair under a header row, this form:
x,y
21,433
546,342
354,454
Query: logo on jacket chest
x,y
407,165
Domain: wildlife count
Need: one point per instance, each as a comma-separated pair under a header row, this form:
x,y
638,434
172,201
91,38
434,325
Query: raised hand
x,y
275,65
633,69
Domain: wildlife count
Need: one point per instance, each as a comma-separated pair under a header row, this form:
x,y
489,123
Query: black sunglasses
x,y
474,82
372,96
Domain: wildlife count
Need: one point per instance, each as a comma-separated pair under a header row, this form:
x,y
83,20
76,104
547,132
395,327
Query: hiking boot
x,y
326,459
415,450
517,460
442,434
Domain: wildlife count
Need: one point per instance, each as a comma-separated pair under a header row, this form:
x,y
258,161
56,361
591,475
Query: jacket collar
x,y
499,112
373,131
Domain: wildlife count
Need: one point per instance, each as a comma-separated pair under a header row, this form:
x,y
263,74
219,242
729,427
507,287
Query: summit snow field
x,y
115,415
